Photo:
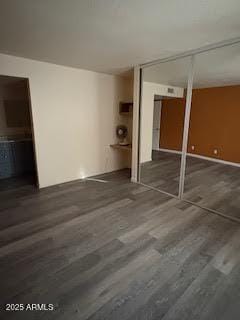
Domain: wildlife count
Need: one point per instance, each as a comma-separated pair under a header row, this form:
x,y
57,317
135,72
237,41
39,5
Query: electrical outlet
x,y
193,148
215,151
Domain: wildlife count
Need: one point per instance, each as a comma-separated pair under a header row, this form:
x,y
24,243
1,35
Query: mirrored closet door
x,y
162,111
212,177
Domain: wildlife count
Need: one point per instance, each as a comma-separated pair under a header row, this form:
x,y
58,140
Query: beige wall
x,y
75,113
172,123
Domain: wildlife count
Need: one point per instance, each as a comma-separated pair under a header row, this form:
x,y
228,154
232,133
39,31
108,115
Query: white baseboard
x,y
134,179
229,163
234,164
170,151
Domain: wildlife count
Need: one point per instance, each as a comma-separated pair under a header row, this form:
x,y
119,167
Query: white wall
x,y
149,89
75,113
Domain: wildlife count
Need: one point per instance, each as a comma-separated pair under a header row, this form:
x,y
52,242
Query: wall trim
x,y
170,151
135,172
234,164
193,155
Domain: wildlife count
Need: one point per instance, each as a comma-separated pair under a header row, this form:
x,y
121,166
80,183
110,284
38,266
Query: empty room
x,y
119,160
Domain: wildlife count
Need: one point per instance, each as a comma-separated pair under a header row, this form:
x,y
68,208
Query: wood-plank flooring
x,y
213,185
115,250
163,172
209,184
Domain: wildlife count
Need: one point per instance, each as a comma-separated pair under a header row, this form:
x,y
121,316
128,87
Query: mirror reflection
x,y
213,161
163,100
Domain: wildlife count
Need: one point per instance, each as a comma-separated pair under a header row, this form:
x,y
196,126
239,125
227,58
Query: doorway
x,y
156,122
17,155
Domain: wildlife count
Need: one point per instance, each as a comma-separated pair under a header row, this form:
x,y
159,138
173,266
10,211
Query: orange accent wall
x,y
214,123
172,123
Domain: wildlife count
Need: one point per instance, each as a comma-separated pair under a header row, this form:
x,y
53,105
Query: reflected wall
x,y
164,88
212,177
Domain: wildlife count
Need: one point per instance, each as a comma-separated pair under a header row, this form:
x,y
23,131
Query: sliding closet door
x,y
163,100
212,177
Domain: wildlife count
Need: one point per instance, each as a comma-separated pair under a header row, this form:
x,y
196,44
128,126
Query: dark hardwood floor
x,y
213,185
208,184
17,182
115,250
163,172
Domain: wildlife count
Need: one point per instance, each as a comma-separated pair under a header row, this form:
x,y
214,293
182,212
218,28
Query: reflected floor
x,y
213,185
209,184
163,172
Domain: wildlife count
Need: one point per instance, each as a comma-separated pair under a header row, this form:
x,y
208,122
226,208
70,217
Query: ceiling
x,y
112,36
218,67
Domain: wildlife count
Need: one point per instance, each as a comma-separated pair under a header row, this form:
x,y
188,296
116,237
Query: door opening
x,y
17,150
